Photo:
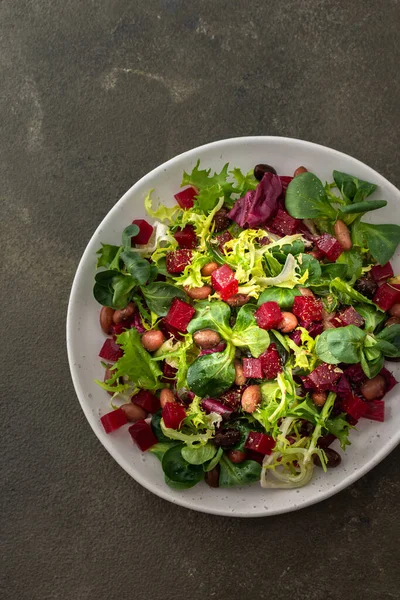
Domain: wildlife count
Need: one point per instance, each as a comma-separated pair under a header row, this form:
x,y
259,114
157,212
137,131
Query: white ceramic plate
x,y
370,444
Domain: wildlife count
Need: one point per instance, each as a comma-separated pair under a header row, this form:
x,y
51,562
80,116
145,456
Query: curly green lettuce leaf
x,y
244,182
192,276
211,187
161,213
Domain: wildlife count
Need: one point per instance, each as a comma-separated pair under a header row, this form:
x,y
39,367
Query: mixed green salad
x,y
248,325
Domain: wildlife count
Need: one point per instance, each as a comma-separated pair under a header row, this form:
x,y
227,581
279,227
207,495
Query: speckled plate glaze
x,y
370,444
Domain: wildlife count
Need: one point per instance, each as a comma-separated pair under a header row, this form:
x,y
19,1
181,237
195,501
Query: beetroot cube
x,y
296,336
268,315
343,387
185,198
186,237
222,239
329,247
146,400
313,329
386,295
307,308
177,260
214,406
284,224
113,420
173,415
252,368
259,442
380,273
375,411
285,180
224,282
110,350
390,380
179,315
354,406
349,316
142,434
256,456
169,372
271,362
231,398
145,231
324,377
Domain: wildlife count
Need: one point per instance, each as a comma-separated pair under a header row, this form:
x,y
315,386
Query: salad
x,y
248,325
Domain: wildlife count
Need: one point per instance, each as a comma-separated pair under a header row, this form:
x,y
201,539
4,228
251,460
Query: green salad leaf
x,y
212,374
242,473
159,296
282,296
306,198
352,188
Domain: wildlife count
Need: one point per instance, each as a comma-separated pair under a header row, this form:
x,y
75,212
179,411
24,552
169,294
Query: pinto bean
x,y
342,235
166,396
251,398
261,169
238,300
236,456
333,458
209,268
306,292
395,310
319,398
374,388
212,477
198,293
288,323
133,412
299,171
240,379
124,313
392,321
152,340
206,338
106,319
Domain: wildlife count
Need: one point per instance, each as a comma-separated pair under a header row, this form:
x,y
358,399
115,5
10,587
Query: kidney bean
x,y
251,398
212,477
299,171
124,313
166,396
240,379
395,310
221,220
133,412
106,319
209,268
152,340
261,169
238,300
206,338
319,398
236,456
333,458
374,388
342,235
392,321
227,438
199,293
288,323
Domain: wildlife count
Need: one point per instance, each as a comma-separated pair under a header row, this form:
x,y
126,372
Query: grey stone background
x,y
94,94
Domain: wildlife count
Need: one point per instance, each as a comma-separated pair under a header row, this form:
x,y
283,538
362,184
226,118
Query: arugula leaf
x,y
340,428
282,296
210,187
306,198
340,345
212,374
381,240
136,363
159,296
242,473
352,188
246,182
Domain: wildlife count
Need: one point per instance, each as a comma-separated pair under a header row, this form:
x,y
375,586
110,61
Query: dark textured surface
x,y
93,96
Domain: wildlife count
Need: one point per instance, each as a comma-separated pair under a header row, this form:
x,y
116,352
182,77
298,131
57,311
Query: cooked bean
x,y
238,300
124,313
206,338
342,235
333,458
251,398
288,322
306,292
212,477
199,293
166,396
227,439
395,310
327,319
236,456
374,388
319,398
261,169
152,340
209,268
392,321
299,171
106,319
240,379
366,286
133,412
221,220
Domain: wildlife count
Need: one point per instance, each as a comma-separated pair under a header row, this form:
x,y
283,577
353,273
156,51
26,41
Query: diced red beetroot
x,y
142,434
256,456
355,374
169,372
386,295
296,336
210,405
185,198
390,380
349,316
252,368
173,415
271,362
177,260
113,420
326,440
219,348
118,328
329,246
313,329
268,315
224,282
169,331
353,406
110,350
260,442
148,401
186,237
231,398
145,231
285,180
284,224
222,239
375,411
324,377
380,273
307,308
180,314
343,387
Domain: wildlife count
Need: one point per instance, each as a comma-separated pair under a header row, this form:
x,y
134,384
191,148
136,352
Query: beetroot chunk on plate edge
x,y
113,420
142,434
185,198
110,350
145,232
387,295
